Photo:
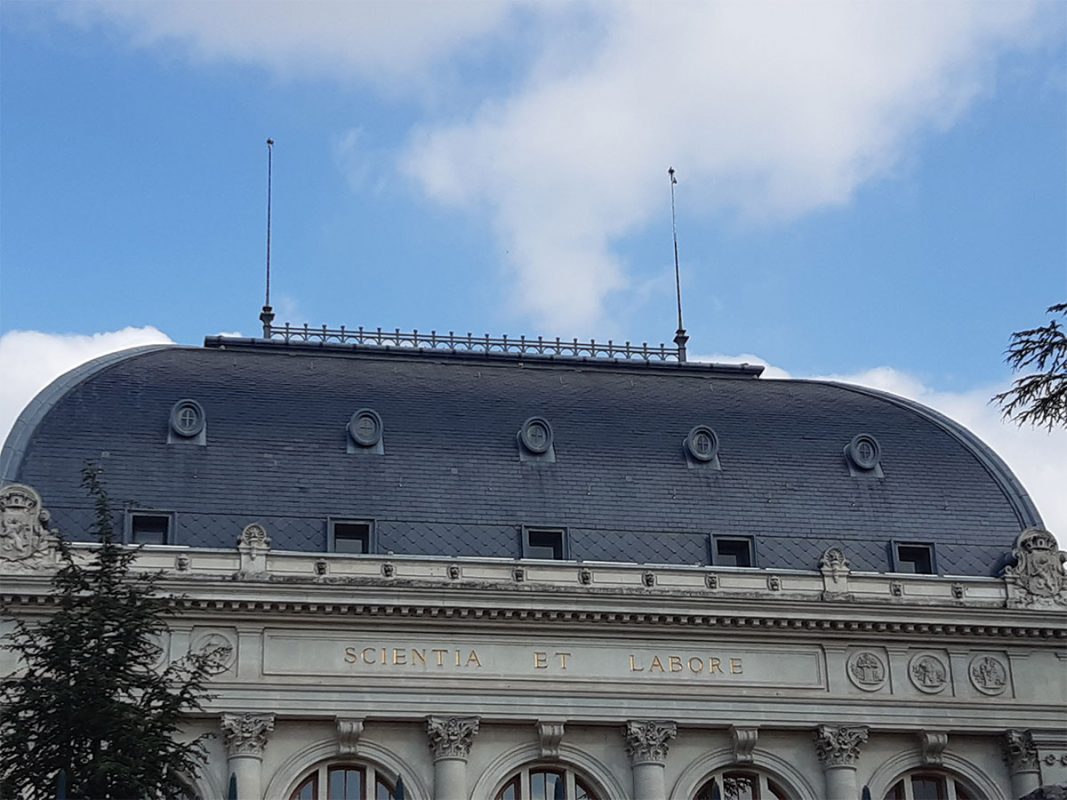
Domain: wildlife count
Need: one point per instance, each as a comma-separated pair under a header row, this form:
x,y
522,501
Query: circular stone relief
x,y
187,418
702,443
928,673
866,670
536,435
220,646
365,427
864,452
988,674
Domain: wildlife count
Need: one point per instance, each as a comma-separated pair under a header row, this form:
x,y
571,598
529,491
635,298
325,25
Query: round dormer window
x,y
864,452
365,427
536,435
187,418
702,443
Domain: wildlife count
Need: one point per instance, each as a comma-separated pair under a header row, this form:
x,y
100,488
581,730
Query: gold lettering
x,y
713,666
696,665
350,655
473,659
384,660
457,657
634,667
656,665
563,660
675,663
440,654
735,666
540,660
418,655
368,659
399,657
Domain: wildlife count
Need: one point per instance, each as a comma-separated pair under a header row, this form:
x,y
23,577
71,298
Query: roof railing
x,y
453,343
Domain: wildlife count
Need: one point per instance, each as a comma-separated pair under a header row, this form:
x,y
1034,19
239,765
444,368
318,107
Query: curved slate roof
x,y
451,482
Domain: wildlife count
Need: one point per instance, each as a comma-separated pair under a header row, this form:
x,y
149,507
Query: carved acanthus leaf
x,y
839,746
451,737
647,740
246,734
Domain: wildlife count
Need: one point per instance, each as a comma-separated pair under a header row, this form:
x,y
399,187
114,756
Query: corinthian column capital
x,y
246,734
839,746
451,737
647,740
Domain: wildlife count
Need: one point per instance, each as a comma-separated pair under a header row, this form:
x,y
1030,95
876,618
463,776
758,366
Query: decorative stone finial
x,y
246,734
451,737
1020,752
25,542
835,570
646,740
839,746
253,547
1037,577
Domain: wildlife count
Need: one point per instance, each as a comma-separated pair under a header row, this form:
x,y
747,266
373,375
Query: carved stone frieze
x,y
647,740
839,746
25,541
550,734
932,746
1020,752
246,734
744,742
451,737
348,733
1037,578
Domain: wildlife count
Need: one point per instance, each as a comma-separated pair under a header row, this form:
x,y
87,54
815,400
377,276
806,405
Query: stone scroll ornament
x,y
451,737
25,541
839,746
647,740
1037,578
246,734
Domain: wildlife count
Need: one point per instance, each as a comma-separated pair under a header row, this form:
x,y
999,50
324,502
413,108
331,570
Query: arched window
x,y
546,783
344,782
734,784
929,786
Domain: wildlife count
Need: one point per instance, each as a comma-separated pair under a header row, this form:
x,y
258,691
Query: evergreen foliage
x,y
91,699
1040,397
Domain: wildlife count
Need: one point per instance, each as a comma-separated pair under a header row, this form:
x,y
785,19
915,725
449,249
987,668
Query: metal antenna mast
x,y
267,315
680,339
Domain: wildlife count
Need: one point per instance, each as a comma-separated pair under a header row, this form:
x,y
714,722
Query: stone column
x,y
1021,755
245,736
838,749
450,740
646,744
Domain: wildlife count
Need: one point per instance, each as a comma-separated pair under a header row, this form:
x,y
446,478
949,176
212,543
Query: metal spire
x,y
680,339
267,315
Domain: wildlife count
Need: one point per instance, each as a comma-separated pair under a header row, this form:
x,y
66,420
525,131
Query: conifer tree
x,y
1040,396
91,707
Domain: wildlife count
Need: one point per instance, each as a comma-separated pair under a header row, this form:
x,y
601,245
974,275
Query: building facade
x,y
515,571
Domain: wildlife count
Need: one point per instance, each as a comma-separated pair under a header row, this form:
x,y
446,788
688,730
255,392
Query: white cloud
x,y
767,109
30,360
1036,456
375,40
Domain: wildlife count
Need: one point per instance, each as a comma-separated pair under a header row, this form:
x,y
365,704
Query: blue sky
x,y
861,186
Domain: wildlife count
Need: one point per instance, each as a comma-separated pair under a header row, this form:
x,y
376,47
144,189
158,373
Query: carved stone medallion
x,y
988,674
220,643
1037,577
866,670
25,543
928,673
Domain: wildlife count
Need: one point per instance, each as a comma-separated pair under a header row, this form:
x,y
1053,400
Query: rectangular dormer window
x,y
547,543
351,536
732,551
147,527
914,558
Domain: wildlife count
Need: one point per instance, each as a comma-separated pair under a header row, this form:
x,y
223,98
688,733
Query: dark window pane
x,y
383,790
306,790
583,792
150,528
929,787
510,790
351,537
733,553
545,544
917,559
897,792
740,786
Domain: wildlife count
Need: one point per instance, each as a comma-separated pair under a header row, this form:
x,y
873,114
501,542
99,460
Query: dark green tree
x,y
1038,397
92,700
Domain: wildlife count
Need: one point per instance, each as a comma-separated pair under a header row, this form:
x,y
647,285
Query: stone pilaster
x,y
647,745
245,737
450,740
838,749
1020,753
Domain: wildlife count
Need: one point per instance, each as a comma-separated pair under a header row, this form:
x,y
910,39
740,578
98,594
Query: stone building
x,y
531,570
